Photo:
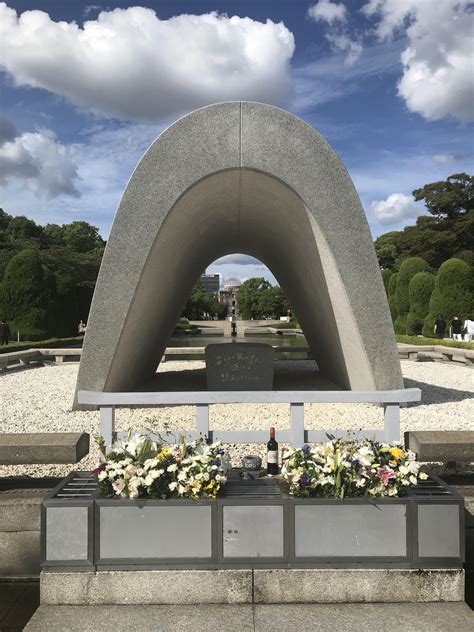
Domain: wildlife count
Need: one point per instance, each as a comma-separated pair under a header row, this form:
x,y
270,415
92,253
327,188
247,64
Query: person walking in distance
x,y
439,326
469,327
4,333
456,328
81,328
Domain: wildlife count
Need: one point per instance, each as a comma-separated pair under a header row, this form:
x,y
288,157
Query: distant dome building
x,y
232,283
229,296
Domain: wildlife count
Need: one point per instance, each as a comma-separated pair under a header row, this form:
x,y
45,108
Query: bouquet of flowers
x,y
141,468
349,467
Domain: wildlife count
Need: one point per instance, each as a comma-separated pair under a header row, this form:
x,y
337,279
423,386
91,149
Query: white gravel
x,y
39,400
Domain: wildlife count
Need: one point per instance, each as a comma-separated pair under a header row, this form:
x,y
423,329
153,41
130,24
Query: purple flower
x,y
304,479
215,462
98,469
306,448
220,451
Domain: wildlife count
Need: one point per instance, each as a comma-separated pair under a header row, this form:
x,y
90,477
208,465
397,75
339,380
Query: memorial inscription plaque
x,y
239,366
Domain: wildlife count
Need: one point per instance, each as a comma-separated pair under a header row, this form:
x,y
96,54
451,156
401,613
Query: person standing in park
x,y
4,333
81,328
456,328
469,327
439,326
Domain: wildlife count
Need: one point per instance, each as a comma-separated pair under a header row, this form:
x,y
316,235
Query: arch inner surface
x,y
245,211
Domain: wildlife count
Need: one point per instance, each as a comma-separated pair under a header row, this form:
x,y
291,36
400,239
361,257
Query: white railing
x,y
297,435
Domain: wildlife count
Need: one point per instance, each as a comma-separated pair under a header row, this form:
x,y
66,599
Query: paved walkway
x,y
431,617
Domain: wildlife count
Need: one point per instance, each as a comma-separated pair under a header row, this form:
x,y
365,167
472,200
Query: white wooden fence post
x,y
107,424
297,425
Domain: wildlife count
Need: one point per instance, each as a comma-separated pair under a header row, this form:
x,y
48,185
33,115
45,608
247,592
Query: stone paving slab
x,y
433,617
21,448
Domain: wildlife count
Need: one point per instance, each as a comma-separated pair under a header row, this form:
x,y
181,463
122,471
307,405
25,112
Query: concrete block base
x,y
357,586
432,617
247,586
147,587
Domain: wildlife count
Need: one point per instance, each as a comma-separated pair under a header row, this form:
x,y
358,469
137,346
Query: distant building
x,y
229,296
210,282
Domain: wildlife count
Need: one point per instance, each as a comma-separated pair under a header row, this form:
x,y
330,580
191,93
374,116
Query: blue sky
x,y
85,88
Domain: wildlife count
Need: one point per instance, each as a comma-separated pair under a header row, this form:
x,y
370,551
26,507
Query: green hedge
x,y
453,294
51,343
421,340
420,289
392,286
408,269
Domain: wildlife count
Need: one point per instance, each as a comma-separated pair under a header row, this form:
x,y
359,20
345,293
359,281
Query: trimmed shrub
x,y
420,289
27,296
386,276
392,284
421,340
407,271
453,294
53,343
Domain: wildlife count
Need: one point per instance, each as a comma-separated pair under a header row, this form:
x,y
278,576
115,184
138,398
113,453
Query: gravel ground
x,y
39,400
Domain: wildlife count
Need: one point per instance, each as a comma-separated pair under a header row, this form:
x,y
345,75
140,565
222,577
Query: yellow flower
x,y
163,453
396,453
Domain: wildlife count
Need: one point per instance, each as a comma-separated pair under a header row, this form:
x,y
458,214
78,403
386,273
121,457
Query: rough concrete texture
x,y
439,617
19,553
288,201
357,586
434,446
146,587
43,447
20,509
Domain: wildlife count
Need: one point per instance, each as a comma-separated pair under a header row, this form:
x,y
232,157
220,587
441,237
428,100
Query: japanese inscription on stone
x,y
239,367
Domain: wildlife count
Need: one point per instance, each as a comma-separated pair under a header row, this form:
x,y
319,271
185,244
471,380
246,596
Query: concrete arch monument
x,y
251,178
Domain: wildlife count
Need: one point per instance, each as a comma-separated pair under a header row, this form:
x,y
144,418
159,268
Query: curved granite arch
x,y
251,178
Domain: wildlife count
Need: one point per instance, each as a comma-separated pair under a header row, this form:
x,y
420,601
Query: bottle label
x,y
272,456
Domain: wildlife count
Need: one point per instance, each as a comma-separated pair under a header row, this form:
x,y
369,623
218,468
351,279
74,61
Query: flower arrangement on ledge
x,y
343,468
141,468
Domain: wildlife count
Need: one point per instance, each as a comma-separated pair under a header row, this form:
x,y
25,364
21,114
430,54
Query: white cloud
x,y
395,208
327,11
438,77
38,161
130,64
343,42
444,159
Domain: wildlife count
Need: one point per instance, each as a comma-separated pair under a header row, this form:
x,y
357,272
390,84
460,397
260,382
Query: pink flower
x,y
385,474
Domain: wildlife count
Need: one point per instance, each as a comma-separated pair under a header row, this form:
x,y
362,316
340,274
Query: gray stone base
x,y
147,587
419,617
357,586
247,586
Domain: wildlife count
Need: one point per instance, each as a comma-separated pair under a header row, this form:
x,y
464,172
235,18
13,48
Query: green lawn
x,y
421,340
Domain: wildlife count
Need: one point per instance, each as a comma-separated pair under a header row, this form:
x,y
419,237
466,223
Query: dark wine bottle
x,y
272,454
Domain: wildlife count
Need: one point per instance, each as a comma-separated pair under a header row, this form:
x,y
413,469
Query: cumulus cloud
x,y
327,11
395,208
130,64
40,162
438,78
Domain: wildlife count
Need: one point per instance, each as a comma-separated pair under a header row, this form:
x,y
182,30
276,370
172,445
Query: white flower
x,y
118,486
149,480
173,485
172,468
102,475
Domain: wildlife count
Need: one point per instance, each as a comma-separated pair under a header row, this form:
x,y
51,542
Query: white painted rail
x,y
296,434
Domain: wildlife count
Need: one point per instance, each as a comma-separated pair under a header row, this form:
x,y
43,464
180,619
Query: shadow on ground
x,y
432,394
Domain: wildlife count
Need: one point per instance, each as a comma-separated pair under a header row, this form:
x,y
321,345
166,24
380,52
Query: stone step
x,y
43,447
431,617
433,446
155,587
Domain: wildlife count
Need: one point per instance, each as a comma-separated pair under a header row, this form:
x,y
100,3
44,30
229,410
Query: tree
x,y
22,228
81,237
408,269
420,289
386,276
392,286
453,294
449,198
27,296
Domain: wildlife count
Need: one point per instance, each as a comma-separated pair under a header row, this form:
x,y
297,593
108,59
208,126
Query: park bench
x,y
19,358
442,446
43,447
